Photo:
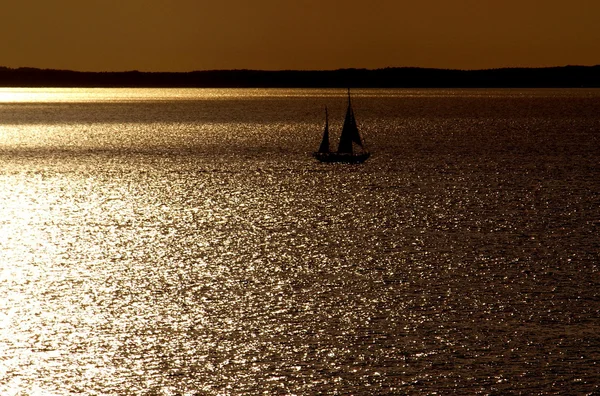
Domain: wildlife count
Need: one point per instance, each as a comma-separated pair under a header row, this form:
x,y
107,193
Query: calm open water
x,y
184,242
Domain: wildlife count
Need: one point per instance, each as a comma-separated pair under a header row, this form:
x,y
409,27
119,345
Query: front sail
x,y
350,132
324,147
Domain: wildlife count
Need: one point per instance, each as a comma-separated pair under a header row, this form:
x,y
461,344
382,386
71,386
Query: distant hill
x,y
402,77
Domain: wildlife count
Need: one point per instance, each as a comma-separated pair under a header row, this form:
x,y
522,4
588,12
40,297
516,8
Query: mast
x,y
324,147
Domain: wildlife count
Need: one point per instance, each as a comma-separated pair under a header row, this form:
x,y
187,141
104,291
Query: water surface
x,y
185,242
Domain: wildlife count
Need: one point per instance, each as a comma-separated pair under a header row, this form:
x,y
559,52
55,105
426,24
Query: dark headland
x,y
399,77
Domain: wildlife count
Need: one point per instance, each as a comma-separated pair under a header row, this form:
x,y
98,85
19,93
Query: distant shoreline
x,y
397,77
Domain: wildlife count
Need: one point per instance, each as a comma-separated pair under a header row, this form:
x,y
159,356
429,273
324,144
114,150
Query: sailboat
x,y
349,138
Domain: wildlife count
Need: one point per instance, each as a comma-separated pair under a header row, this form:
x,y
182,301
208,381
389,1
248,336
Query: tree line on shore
x,y
396,77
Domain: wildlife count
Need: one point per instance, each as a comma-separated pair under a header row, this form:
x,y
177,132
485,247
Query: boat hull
x,y
342,158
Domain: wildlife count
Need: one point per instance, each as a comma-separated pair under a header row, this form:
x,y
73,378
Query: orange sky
x,y
184,35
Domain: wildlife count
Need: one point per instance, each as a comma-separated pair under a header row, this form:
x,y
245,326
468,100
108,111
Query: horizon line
x,y
302,70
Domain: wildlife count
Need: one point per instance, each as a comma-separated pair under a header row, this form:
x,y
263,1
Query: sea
x,y
185,242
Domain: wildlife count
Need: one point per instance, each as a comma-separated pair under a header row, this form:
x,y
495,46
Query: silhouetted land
x,y
404,77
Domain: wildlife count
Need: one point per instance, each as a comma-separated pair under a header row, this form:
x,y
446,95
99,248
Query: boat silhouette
x,y
351,148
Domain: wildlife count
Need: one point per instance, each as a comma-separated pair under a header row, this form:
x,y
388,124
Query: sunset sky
x,y
185,35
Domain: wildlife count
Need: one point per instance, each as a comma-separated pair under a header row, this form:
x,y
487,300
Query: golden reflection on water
x,y
99,95
96,95
24,250
161,249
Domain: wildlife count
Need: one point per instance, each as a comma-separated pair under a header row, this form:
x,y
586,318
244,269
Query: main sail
x,y
350,132
324,147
